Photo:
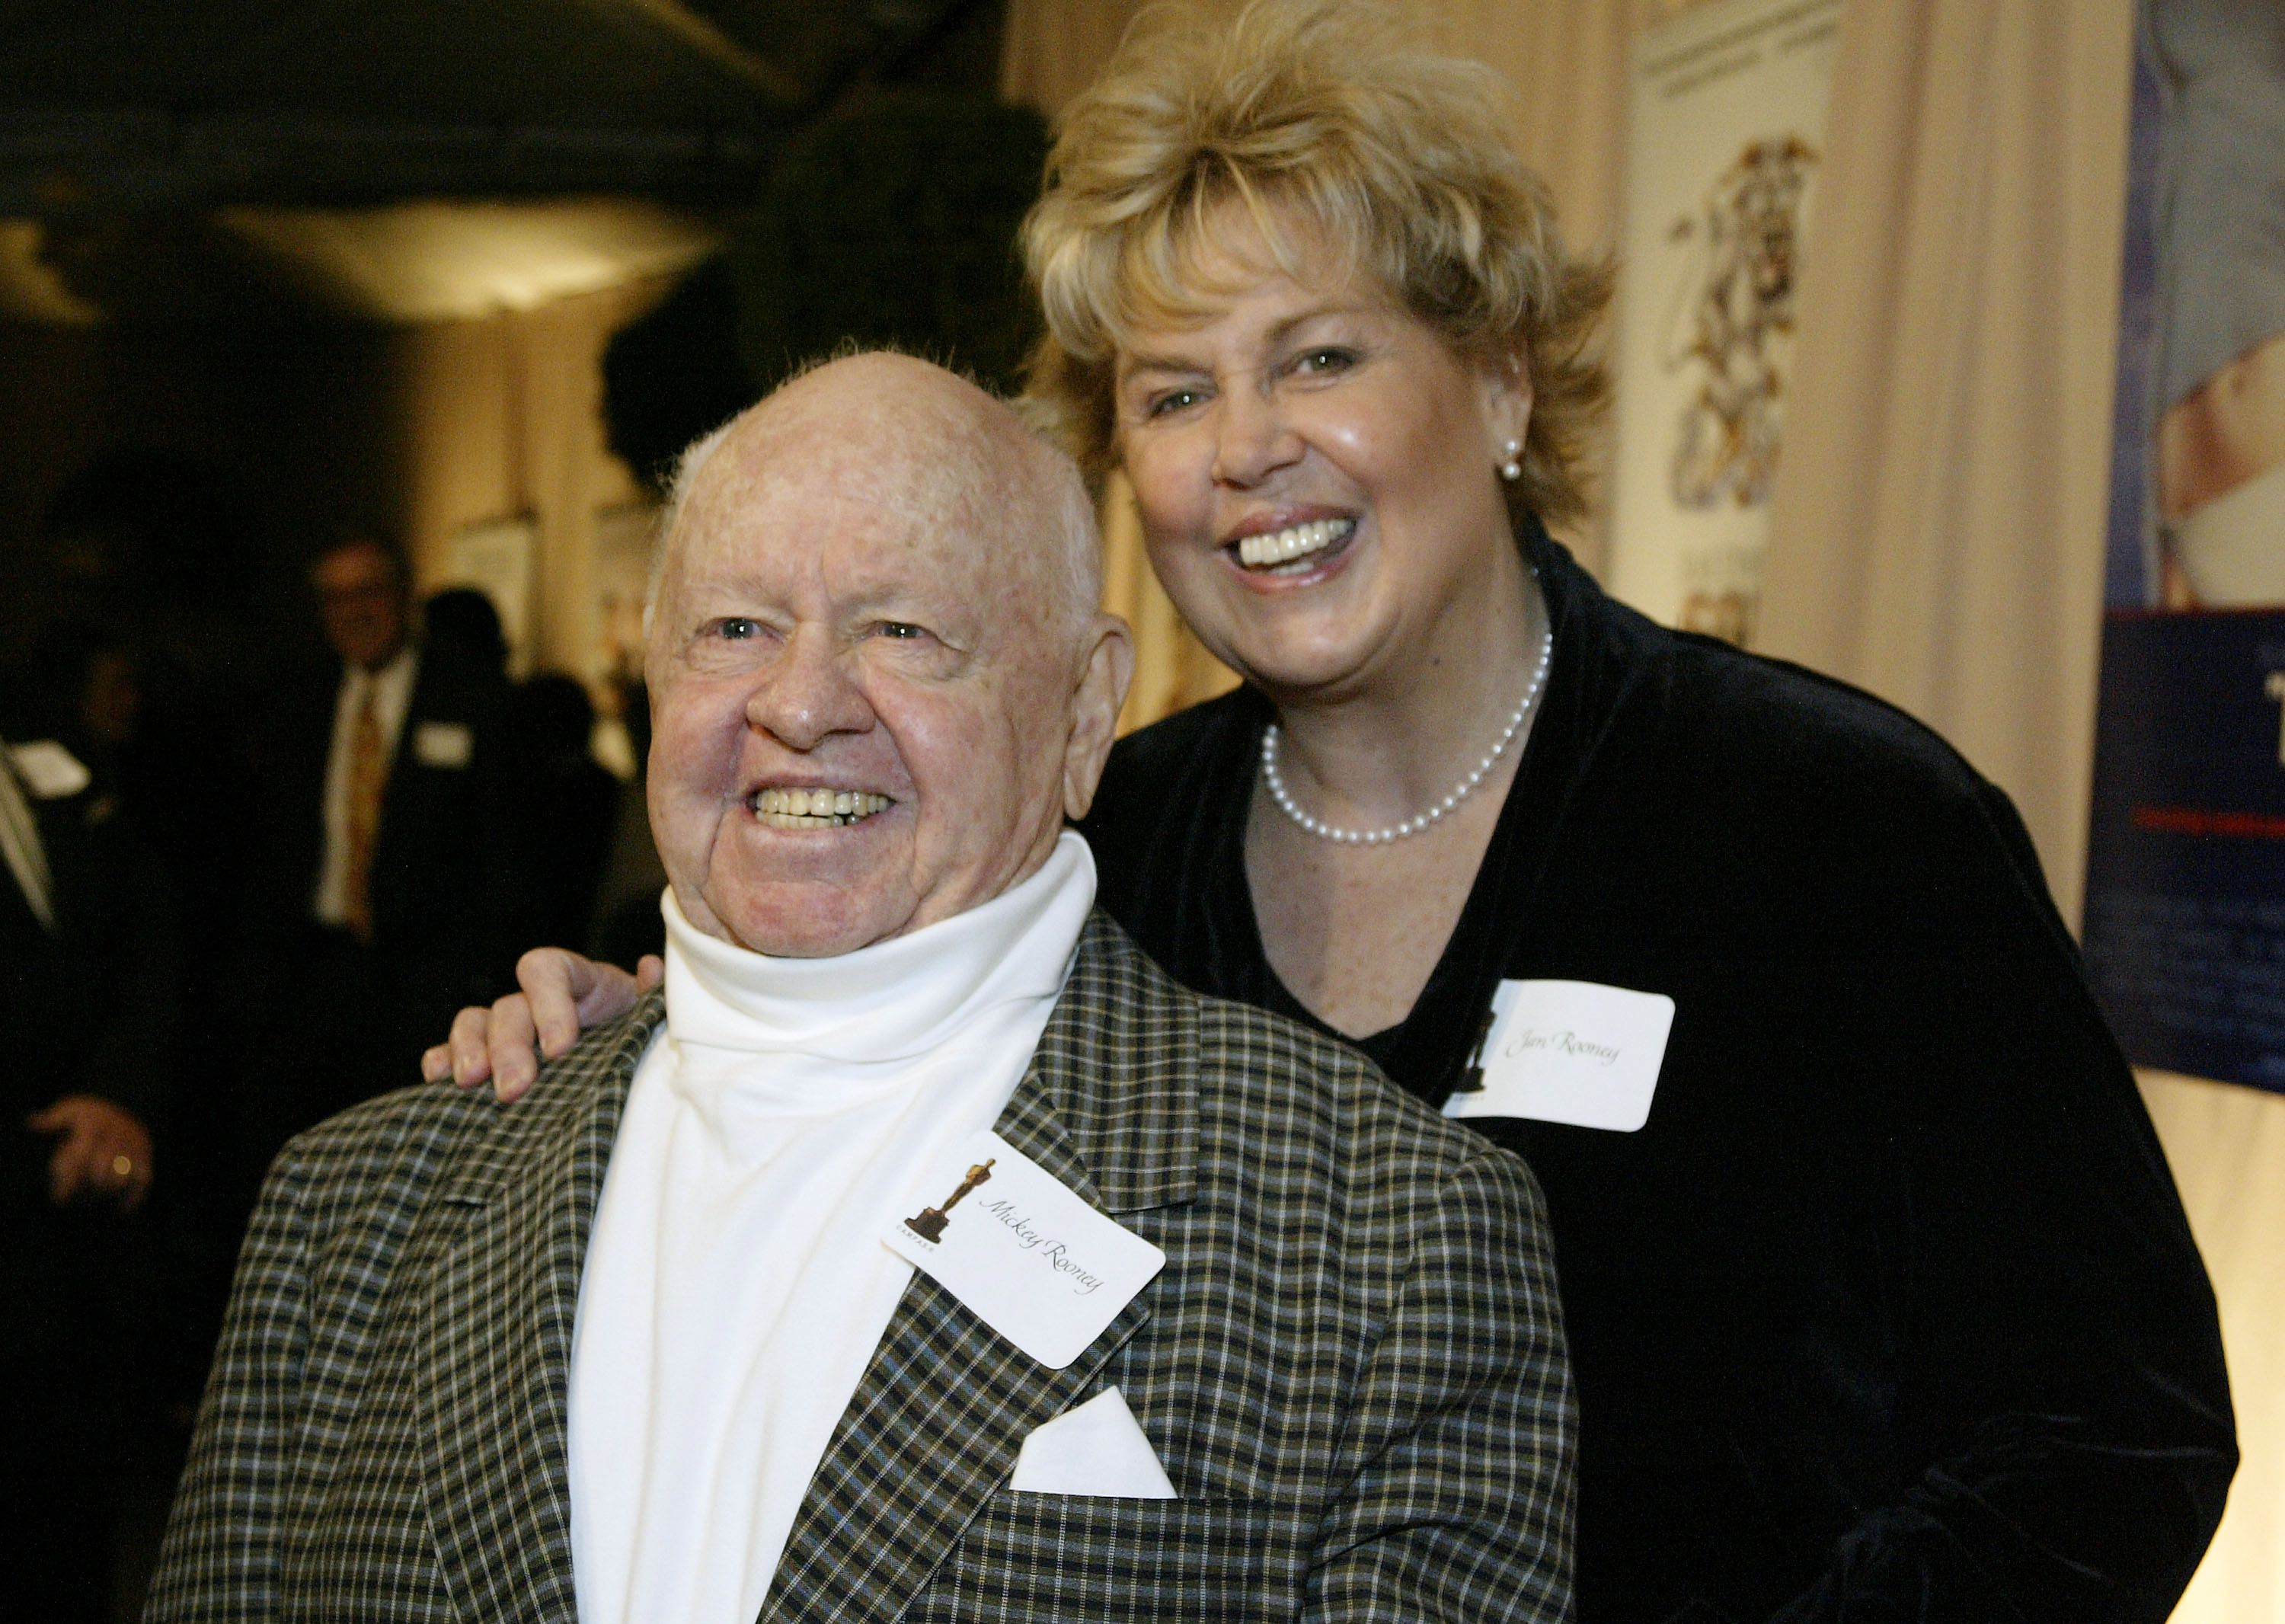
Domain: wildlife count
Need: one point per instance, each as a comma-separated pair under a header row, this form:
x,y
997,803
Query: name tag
x,y
442,744
48,770
1575,1052
1021,1251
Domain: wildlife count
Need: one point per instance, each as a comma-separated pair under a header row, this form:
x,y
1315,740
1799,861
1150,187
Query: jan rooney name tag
x,y
1570,1051
1021,1251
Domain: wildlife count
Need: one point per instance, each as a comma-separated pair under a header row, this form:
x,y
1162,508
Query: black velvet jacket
x,y
1890,1309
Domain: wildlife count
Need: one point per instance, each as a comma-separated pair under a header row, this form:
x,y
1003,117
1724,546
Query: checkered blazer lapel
x,y
1109,1106
496,1376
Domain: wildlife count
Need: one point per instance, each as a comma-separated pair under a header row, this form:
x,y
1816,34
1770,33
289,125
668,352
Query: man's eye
x,y
901,630
737,628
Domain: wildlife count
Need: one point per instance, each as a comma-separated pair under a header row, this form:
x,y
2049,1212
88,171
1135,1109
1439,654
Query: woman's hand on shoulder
x,y
562,995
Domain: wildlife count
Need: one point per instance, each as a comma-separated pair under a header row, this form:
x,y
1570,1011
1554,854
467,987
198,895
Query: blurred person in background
x,y
550,731
89,981
390,801
464,621
628,926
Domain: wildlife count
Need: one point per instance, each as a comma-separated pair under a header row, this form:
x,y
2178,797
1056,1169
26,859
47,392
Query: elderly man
x,y
923,1253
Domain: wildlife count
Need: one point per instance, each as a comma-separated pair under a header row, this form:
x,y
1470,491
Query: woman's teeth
x,y
816,809
1295,541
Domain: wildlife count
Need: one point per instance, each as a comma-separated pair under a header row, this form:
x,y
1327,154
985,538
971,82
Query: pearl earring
x,y
1512,468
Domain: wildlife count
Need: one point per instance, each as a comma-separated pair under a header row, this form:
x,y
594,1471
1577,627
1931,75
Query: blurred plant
x,y
674,373
895,224
890,223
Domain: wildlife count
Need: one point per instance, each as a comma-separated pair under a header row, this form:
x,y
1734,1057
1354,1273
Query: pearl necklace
x,y
1461,791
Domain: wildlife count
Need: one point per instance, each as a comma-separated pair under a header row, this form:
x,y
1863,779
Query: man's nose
x,y
1252,440
808,695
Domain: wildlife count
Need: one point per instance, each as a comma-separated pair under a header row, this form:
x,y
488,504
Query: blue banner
x,y
2185,925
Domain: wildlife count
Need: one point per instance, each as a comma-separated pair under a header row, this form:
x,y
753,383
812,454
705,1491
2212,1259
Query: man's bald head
x,y
912,433
879,679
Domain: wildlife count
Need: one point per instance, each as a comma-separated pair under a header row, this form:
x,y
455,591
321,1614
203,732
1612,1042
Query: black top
x,y
1889,1309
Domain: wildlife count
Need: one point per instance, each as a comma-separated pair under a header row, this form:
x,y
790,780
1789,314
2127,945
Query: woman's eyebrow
x,y
1283,331
1132,363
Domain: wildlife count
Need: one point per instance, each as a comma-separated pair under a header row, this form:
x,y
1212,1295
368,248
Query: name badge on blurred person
x,y
1575,1052
48,770
442,744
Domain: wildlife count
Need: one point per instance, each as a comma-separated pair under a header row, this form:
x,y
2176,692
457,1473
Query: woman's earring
x,y
1512,468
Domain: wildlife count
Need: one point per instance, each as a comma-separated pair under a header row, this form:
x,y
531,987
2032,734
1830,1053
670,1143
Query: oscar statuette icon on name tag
x,y
930,1225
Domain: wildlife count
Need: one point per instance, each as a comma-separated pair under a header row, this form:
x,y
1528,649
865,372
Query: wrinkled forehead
x,y
814,467
875,531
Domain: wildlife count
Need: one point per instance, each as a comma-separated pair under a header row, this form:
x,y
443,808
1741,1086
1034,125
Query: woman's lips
x,y
1294,549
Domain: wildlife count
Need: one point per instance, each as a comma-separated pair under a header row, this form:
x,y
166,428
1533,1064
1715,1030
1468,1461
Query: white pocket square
x,y
1098,1448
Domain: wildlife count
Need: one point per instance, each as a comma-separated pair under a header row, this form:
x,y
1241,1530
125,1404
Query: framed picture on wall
x,y
1725,127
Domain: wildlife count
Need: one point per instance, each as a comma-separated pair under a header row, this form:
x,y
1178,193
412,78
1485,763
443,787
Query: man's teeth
x,y
816,809
1294,541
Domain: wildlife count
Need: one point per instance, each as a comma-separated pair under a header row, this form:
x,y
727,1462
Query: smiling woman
x,y
1878,1296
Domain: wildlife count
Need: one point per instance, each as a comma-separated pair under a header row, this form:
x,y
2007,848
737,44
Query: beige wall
x,y
411,431
501,418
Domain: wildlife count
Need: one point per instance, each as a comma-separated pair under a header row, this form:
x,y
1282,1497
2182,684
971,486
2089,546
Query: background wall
x,y
413,430
1938,516
502,418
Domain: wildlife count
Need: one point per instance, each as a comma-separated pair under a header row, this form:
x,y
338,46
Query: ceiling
x,y
414,160
142,103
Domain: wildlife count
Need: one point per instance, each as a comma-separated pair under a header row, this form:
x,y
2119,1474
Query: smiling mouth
x,y
1294,549
816,809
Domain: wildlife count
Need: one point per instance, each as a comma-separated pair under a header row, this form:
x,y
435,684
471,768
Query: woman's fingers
x,y
569,993
562,994
509,1037
468,1055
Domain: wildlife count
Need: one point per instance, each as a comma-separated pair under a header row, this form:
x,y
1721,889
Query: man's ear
x,y
1095,711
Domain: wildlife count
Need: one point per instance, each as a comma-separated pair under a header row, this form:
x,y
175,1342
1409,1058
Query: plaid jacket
x,y
1352,1367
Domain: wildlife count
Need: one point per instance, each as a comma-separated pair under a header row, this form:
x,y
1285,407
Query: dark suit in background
x,y
355,1013
87,1007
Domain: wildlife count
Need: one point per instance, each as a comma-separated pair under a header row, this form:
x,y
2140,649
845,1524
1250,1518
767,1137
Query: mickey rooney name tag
x,y
1576,1052
1021,1251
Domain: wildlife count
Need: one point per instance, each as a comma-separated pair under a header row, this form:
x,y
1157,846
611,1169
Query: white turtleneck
x,y
736,1284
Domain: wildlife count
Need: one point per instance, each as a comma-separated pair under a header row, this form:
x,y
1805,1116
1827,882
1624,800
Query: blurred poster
x,y
2186,866
1725,127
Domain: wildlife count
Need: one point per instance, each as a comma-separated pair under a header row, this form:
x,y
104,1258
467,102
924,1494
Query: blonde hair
x,y
1334,128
